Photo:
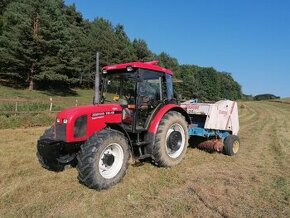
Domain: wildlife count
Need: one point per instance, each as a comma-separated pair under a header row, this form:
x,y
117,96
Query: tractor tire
x,y
171,140
231,145
48,133
103,159
50,159
49,164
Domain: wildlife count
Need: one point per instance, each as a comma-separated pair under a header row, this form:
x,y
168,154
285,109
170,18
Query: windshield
x,y
118,85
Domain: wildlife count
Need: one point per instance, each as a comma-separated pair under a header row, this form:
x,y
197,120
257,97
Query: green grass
x,y
14,121
33,106
61,99
28,107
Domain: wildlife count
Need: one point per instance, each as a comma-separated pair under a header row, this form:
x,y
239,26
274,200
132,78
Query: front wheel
x,y
171,140
103,159
49,153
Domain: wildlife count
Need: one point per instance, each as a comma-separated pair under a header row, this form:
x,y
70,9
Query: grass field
x,y
255,183
286,100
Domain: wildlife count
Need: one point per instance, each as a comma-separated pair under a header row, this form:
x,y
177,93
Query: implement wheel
x,y
231,145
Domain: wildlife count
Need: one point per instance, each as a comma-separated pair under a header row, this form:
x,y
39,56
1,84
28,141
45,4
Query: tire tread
x,y
161,159
88,174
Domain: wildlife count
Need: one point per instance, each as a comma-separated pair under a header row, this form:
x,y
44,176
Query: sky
x,y
248,38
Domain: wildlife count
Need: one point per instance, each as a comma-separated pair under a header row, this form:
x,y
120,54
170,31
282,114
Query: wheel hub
x,y
108,159
236,146
111,160
174,140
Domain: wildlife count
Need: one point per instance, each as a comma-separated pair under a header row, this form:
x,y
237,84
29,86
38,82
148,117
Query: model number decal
x,y
101,114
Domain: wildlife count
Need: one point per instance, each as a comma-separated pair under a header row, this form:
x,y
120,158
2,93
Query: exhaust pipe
x,y
97,81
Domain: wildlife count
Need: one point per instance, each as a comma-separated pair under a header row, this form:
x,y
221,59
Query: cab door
x,y
151,93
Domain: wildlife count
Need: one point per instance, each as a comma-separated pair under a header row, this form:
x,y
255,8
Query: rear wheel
x,y
103,159
171,140
231,145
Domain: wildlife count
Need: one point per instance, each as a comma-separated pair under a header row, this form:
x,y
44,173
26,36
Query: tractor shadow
x,y
49,89
193,143
60,91
57,90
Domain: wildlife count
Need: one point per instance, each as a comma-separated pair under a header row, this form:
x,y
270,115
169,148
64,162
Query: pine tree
x,y
20,41
50,44
141,50
40,43
124,49
167,61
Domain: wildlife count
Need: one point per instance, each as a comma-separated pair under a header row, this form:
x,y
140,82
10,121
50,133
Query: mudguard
x,y
153,126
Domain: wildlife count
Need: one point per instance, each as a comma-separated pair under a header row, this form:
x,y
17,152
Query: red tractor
x,y
137,117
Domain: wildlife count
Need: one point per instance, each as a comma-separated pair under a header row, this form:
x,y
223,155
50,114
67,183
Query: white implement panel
x,y
222,115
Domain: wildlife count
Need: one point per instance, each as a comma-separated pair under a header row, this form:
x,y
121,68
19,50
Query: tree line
x,y
47,44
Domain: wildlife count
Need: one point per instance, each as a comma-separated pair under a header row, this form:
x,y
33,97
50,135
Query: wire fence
x,y
18,105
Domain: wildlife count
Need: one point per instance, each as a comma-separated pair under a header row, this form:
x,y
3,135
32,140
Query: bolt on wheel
x,y
171,140
111,160
175,140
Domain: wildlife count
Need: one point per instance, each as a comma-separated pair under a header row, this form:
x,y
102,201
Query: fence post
x,y
76,103
16,104
50,106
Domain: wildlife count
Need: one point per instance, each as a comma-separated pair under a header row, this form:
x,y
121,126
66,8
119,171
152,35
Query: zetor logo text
x,y
100,114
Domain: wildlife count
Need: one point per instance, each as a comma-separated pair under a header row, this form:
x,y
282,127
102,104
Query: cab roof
x,y
152,65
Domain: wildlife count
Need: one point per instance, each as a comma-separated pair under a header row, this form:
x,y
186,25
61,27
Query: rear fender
x,y
153,126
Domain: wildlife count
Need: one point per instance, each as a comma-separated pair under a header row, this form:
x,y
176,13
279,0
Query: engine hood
x,y
92,118
90,110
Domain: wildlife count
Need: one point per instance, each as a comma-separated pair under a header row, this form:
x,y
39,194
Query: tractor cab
x,y
140,89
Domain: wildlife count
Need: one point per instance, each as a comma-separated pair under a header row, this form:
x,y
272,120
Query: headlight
x,y
64,121
129,68
57,120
